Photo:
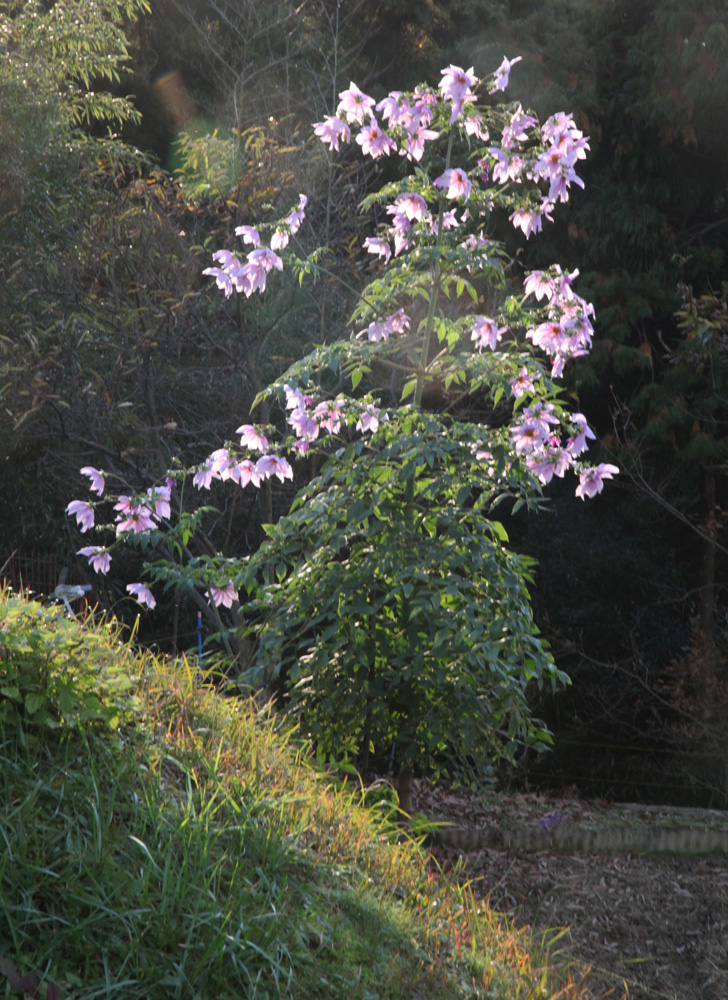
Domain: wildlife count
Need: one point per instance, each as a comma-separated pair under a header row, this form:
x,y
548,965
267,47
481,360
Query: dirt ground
x,y
650,926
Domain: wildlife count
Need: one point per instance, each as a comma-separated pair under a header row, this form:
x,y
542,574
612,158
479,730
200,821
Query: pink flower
x,y
500,78
260,262
84,514
400,230
414,144
99,558
456,83
222,280
332,130
252,438
249,234
391,108
295,398
449,220
529,435
577,444
224,465
279,239
369,420
274,465
516,130
457,183
486,333
297,215
142,594
473,125
539,284
396,323
530,220
374,142
245,472
97,479
373,244
138,516
501,169
329,415
591,481
355,104
160,497
523,382
304,425
224,595
412,205
550,337
205,474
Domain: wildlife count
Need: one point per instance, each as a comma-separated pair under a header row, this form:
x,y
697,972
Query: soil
x,y
651,925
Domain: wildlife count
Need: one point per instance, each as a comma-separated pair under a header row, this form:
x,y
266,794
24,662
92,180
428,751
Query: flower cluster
x,y
530,166
141,514
543,160
252,275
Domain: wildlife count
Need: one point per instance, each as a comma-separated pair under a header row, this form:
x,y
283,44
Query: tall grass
x,y
184,846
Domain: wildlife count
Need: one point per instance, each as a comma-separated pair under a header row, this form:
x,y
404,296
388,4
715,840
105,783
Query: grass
x,y
183,845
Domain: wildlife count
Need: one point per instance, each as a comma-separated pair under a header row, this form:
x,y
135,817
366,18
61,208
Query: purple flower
x,y
160,497
329,415
99,558
523,382
304,425
355,104
457,183
413,205
456,83
500,78
249,234
591,481
297,215
274,465
252,438
414,144
486,333
255,272
370,420
374,142
222,280
224,595
332,130
142,594
138,516
373,244
527,437
97,479
577,444
84,513
205,474
539,284
245,472
279,239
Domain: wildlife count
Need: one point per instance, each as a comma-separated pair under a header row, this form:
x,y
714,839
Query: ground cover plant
x,y
190,849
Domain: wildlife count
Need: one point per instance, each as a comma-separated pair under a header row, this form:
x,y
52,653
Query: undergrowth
x,y
158,839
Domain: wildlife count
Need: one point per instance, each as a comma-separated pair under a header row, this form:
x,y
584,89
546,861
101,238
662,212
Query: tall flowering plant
x,y
388,603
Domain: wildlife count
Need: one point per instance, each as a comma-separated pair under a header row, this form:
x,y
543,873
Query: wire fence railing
x,y
40,573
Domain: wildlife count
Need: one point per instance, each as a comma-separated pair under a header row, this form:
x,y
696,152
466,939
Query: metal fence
x,y
39,573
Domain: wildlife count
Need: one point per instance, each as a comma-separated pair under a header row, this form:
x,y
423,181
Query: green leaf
x,y
33,702
408,388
